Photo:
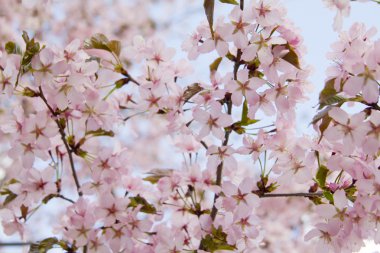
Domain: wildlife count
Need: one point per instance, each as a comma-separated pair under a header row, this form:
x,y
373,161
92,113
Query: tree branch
x,y
63,137
65,198
14,244
219,169
297,194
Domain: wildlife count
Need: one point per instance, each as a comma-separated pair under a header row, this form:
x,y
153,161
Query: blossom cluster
x,y
350,143
83,125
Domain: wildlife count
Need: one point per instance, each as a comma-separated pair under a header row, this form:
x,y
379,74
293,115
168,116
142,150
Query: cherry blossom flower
x,y
212,121
221,154
243,86
350,130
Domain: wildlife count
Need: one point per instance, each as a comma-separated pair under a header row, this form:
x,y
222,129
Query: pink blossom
x,y
350,130
212,121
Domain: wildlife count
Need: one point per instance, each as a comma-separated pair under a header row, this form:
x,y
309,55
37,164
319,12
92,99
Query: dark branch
x,y
65,198
14,244
63,137
297,194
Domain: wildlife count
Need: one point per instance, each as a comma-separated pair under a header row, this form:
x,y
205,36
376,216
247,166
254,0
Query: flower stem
x,y
63,137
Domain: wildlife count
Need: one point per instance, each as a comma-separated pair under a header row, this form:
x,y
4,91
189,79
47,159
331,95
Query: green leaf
x,y
292,57
326,119
325,123
350,192
157,174
140,201
215,65
216,241
32,48
115,46
328,195
230,57
152,179
328,95
229,2
11,196
48,198
97,41
44,246
245,121
209,10
28,92
322,175
333,100
244,113
272,187
100,132
191,91
12,48
100,41
121,82
250,122
11,181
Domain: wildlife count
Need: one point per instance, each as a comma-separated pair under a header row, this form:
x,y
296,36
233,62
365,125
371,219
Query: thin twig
x,y
14,244
204,144
219,169
297,194
63,137
131,79
65,198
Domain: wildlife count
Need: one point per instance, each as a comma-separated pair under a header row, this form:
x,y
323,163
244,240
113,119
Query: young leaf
x,y
326,119
325,123
292,57
100,41
12,48
44,246
245,121
100,132
157,174
216,241
31,49
250,122
229,2
328,195
328,95
244,113
115,46
11,196
146,207
191,91
321,176
209,10
48,198
214,66
97,41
